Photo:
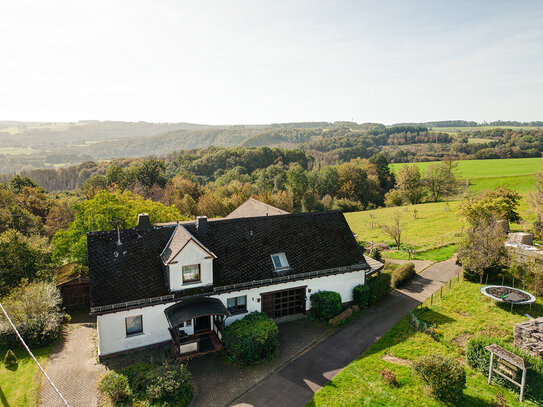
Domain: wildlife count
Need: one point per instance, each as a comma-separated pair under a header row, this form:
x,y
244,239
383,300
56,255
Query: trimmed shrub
x,y
479,358
10,359
379,287
251,340
115,386
445,377
153,384
170,382
389,377
403,274
361,295
35,311
325,305
375,254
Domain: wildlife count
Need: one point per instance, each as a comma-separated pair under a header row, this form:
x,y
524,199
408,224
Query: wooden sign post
x,y
507,366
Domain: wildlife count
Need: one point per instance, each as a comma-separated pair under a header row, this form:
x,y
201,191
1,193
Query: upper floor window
x,y
133,325
191,273
280,261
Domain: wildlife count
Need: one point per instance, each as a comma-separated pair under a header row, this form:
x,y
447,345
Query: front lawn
x,y
461,314
19,386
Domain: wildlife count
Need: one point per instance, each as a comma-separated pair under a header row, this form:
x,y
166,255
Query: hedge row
x,y
479,358
379,285
403,274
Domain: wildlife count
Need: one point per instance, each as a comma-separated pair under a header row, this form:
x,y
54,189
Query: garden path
x,y
73,367
297,382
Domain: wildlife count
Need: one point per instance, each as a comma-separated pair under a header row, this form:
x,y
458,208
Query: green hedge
x,y
375,254
445,377
379,287
325,304
479,358
361,295
403,274
251,340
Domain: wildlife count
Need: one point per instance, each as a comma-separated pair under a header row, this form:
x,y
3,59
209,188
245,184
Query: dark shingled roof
x,y
130,271
243,246
253,207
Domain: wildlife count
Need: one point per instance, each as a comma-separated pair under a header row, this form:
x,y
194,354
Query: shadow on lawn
x,y
3,398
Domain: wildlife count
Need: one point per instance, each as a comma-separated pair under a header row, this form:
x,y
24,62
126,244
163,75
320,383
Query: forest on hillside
x,y
29,146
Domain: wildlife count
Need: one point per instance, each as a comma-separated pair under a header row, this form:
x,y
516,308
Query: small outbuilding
x,y
73,283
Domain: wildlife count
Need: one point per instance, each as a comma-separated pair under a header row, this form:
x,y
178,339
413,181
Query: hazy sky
x,y
273,61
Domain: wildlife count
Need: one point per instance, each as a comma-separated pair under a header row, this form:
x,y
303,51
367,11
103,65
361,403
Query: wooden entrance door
x,y
285,302
202,324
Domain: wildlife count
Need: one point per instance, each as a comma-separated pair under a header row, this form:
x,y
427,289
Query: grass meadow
x,y
461,314
19,386
437,224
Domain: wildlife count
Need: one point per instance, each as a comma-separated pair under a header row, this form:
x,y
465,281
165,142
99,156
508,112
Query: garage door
x,y
285,302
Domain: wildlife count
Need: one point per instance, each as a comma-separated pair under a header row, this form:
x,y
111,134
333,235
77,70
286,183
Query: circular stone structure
x,y
507,294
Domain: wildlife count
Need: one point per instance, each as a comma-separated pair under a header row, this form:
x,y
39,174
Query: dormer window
x,y
280,262
191,273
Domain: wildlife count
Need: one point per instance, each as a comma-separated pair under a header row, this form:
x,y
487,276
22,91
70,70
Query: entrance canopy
x,y
194,308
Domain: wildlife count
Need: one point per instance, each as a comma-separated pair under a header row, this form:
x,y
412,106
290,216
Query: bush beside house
x,y
251,340
325,305
403,274
445,377
167,384
379,287
361,295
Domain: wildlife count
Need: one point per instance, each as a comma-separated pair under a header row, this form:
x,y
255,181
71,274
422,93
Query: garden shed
x,y
73,283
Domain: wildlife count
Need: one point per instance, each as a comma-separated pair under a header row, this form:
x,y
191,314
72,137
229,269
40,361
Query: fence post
x,y
432,299
441,295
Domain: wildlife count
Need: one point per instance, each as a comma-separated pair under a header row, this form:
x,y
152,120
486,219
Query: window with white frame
x,y
280,261
191,273
133,325
237,304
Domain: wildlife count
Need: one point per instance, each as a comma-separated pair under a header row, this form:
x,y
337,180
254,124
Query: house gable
x,y
191,257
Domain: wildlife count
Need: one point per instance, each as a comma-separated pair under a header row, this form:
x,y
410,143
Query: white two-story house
x,y
183,283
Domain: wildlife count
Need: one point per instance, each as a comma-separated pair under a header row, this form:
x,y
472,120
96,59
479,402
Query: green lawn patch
x,y
19,386
438,254
461,314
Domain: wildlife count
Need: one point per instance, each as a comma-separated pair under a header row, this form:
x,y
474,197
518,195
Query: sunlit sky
x,y
231,61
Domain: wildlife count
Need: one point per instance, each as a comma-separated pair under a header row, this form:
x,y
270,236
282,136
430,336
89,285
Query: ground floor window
x,y
133,325
237,304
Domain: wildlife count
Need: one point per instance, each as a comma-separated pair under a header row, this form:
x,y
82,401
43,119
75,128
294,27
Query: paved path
x,y
295,384
74,369
419,264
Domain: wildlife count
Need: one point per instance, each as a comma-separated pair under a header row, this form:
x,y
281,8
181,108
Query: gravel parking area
x,y
217,382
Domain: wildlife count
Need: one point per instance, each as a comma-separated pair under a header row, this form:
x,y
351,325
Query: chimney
x,y
143,222
201,226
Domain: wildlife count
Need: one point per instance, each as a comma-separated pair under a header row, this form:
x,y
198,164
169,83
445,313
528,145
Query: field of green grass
x,y
19,387
438,224
459,315
472,169
476,140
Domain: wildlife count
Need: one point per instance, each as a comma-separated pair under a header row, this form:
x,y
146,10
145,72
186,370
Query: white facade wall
x,y
111,327
191,254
